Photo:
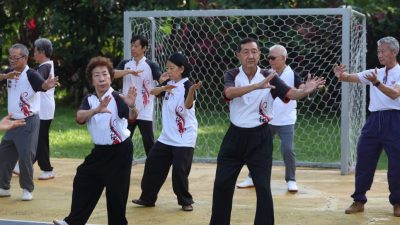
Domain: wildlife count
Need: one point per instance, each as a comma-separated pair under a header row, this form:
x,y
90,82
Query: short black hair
x,y
180,60
245,41
142,39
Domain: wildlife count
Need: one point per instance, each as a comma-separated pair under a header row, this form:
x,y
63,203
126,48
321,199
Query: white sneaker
x,y
59,222
26,195
16,169
46,175
292,186
5,193
247,183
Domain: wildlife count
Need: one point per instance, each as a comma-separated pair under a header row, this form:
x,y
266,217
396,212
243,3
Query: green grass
x,y
70,140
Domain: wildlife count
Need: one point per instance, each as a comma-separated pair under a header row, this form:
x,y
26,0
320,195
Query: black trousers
x,y
43,150
146,130
253,147
156,170
107,166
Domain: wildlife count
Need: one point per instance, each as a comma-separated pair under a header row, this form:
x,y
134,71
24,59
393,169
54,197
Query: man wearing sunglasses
x,y
381,130
284,117
23,103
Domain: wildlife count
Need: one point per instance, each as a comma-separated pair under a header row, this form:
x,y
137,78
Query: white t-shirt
x,y
286,113
143,84
179,125
23,99
254,108
378,100
47,103
107,128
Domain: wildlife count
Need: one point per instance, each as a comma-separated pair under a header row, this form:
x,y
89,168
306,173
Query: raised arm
x,y
122,73
84,115
190,96
310,86
11,75
234,92
342,75
392,93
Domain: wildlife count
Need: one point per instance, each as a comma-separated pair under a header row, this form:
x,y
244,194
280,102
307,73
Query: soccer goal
x,y
328,122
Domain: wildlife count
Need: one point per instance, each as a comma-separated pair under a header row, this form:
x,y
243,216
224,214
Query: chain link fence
x,y
328,121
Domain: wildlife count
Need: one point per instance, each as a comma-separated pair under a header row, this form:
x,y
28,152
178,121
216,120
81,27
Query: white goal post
x,y
328,124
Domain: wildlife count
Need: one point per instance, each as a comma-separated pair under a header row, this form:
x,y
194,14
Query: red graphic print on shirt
x,y
24,105
145,93
262,110
115,136
180,120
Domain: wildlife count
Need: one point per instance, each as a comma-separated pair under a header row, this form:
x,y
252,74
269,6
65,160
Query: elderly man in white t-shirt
x,y
284,117
24,103
381,130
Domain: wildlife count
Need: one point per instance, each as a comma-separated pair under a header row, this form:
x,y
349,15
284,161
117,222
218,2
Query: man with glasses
x,y
381,130
249,91
23,103
284,117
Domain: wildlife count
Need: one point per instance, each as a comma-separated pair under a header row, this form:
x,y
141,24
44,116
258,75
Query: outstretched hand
x,y
51,82
373,76
339,70
265,83
168,88
196,86
130,98
12,75
312,83
163,77
102,108
134,72
6,123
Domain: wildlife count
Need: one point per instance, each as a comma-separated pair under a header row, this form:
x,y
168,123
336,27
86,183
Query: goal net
x,y
328,123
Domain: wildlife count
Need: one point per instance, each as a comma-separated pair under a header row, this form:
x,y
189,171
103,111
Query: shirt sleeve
x,y
187,86
35,80
122,107
229,80
121,65
44,70
297,81
280,90
155,70
85,103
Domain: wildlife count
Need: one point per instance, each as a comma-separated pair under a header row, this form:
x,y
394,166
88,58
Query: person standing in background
x,y
140,72
42,54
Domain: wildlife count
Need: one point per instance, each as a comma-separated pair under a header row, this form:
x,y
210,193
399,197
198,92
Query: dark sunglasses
x,y
271,57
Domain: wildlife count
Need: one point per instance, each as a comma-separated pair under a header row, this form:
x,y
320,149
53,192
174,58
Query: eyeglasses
x,y
271,57
15,58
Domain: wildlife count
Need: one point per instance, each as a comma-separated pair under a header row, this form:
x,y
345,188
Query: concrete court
x,y
323,196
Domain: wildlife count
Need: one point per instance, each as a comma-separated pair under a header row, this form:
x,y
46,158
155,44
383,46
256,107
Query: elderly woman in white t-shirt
x,y
108,166
177,140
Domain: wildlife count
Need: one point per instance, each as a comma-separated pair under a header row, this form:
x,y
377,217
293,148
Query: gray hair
x,y
391,42
45,46
23,48
280,48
